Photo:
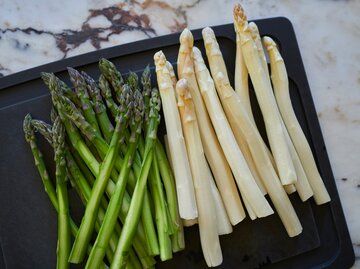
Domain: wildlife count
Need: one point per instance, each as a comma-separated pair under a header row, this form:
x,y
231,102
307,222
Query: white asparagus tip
x,y
182,87
187,37
269,43
253,27
239,15
159,58
196,52
208,34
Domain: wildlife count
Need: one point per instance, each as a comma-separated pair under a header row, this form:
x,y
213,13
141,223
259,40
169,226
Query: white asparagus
x,y
172,73
246,183
266,100
217,64
185,222
281,88
233,108
182,172
208,229
213,151
290,188
222,220
242,76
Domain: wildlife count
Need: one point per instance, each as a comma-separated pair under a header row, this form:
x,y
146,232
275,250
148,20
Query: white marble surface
x,y
328,32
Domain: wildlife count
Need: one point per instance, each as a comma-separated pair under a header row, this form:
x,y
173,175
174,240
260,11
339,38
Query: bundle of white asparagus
x,y
215,148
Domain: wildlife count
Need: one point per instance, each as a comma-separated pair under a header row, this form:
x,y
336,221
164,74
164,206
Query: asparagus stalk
x,y
107,95
172,73
241,76
217,65
183,178
272,183
78,143
132,219
63,247
87,224
69,93
266,100
110,72
208,229
281,89
99,107
40,164
246,183
80,88
212,148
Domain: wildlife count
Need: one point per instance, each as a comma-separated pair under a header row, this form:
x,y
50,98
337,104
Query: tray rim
x,y
345,255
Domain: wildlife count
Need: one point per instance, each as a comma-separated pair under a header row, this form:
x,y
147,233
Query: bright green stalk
x,y
80,88
39,161
114,207
178,240
133,217
99,107
161,217
107,95
85,231
63,246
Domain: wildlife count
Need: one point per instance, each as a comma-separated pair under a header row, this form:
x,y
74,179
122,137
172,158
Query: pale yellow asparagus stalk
x,y
185,222
242,76
290,188
208,229
213,151
257,39
281,88
172,73
246,183
222,220
235,110
266,100
182,172
302,185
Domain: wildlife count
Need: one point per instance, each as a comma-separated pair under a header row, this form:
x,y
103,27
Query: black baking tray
x,y
28,223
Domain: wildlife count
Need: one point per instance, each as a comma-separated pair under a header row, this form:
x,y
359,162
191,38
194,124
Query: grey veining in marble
x,y
37,32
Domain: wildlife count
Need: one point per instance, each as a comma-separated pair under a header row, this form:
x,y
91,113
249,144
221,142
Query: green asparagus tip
x,y
133,80
155,104
76,78
28,130
91,86
43,128
104,87
108,69
146,79
139,110
46,77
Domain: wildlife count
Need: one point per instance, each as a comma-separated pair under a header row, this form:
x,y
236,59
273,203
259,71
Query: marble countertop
x,y
328,32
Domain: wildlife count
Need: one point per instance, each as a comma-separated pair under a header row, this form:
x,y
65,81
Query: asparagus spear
x,y
172,73
165,171
63,247
209,237
99,107
213,151
110,72
247,186
114,207
266,100
87,224
281,89
107,95
183,178
80,88
69,93
132,219
40,164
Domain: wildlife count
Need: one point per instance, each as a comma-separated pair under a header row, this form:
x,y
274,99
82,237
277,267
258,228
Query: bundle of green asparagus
x,y
105,142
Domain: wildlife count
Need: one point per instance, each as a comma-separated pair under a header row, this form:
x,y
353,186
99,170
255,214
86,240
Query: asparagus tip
x,y
268,42
187,38
208,35
159,58
239,15
28,130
